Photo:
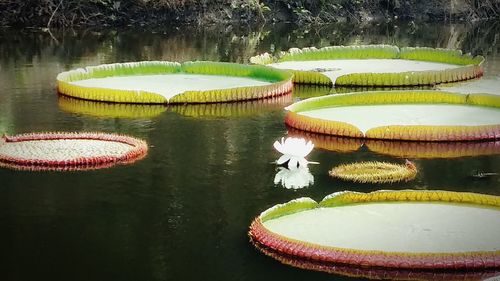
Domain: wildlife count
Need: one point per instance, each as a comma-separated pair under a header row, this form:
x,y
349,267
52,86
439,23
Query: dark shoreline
x,y
137,13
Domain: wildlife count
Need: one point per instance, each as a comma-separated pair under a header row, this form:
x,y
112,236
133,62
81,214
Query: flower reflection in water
x,y
294,178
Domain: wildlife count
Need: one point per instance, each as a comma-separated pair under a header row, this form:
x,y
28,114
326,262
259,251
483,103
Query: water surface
x,y
183,212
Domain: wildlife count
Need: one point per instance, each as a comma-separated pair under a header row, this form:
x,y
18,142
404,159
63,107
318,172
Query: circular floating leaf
x,y
375,65
170,82
69,151
392,229
375,172
400,115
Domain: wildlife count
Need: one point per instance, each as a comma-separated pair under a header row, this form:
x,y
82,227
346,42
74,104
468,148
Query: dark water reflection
x,y
183,212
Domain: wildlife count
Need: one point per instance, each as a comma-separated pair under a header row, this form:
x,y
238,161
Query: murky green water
x,y
183,212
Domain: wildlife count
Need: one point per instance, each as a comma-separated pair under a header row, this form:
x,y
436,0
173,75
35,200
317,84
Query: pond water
x,y
183,212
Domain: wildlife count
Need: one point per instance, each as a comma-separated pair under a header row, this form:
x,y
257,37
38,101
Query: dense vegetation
x,y
46,13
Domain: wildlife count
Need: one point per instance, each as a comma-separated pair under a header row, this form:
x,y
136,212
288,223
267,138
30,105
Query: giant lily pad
x,y
400,115
393,229
69,151
375,172
375,65
171,82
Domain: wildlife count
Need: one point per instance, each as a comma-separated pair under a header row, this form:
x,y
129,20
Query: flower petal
x,y
295,147
278,146
283,159
309,148
293,164
303,162
279,177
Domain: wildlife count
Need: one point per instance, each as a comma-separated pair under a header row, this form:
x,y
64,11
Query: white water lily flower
x,y
294,178
294,151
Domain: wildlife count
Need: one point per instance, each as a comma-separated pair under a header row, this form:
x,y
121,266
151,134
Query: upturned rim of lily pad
x,y
137,150
410,132
265,238
278,82
467,66
378,273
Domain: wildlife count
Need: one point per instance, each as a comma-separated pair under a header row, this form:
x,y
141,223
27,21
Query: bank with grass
x,y
66,13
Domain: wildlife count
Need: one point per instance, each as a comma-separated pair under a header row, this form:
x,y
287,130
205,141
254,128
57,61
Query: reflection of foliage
x,y
109,110
234,44
433,149
233,109
3,125
481,38
302,92
34,46
474,38
401,149
211,43
343,90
